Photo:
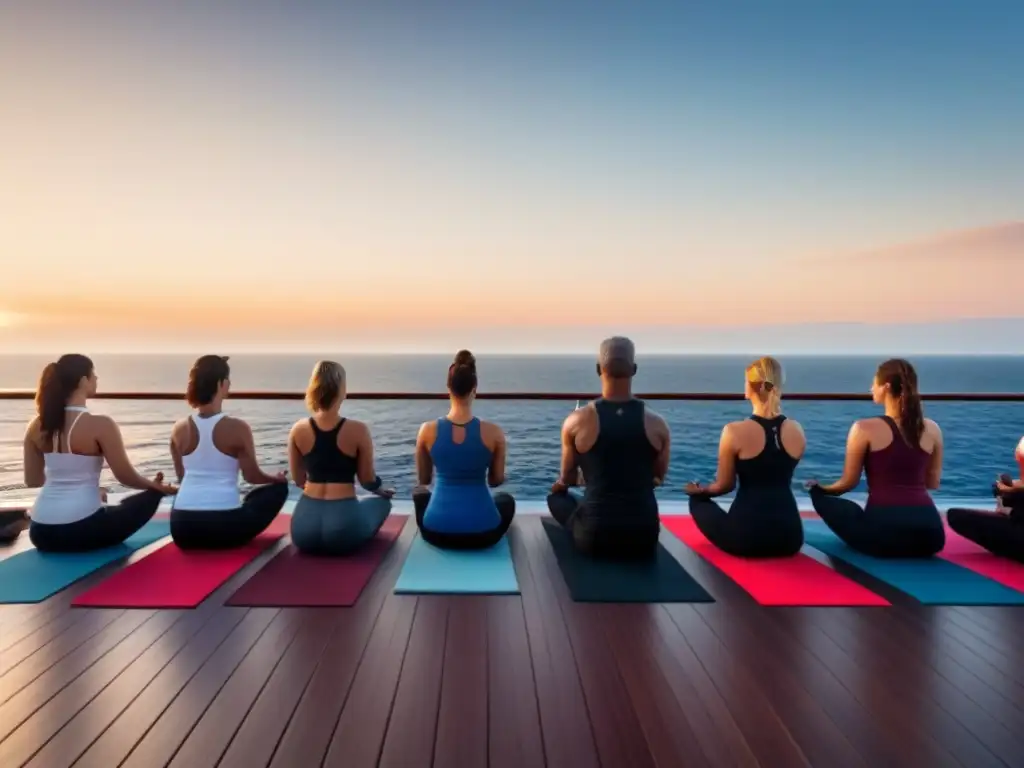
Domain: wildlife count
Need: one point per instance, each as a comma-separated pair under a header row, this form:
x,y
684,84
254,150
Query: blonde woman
x,y
763,451
327,453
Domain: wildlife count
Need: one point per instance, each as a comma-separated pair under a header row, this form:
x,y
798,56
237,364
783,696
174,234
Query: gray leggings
x,y
339,526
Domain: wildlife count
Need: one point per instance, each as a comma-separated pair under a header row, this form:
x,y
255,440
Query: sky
x,y
516,177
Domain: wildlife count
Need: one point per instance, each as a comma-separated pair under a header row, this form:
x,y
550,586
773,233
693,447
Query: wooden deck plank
x,y
412,729
619,738
309,731
528,680
462,720
201,630
565,722
203,664
162,741
257,736
516,738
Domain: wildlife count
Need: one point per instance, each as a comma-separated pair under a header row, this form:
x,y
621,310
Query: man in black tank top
x,y
622,448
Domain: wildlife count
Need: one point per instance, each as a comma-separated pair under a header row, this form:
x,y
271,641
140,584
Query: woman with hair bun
x,y
763,452
209,448
902,454
468,455
327,453
65,447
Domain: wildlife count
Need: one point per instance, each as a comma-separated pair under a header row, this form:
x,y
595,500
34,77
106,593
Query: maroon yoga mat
x,y
294,579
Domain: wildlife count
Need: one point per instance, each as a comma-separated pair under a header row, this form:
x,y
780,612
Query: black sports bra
x,y
325,463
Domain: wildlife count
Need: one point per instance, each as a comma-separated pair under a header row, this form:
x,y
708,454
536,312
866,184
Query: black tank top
x,y
619,469
325,463
772,467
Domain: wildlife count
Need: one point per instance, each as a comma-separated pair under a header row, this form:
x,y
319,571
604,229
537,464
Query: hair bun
x,y
464,359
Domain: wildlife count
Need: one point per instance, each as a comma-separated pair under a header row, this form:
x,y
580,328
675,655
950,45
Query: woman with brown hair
x,y
902,454
327,454
209,448
763,452
65,448
468,455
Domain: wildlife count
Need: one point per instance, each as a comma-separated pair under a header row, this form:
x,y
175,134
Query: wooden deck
x,y
511,682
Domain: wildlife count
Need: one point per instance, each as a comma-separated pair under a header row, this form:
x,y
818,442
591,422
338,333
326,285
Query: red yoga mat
x,y
973,557
175,578
798,580
295,579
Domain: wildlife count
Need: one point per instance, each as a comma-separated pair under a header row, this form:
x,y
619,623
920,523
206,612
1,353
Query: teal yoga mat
x,y
662,580
32,576
428,570
934,581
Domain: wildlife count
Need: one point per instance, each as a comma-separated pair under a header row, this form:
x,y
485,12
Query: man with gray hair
x,y
623,448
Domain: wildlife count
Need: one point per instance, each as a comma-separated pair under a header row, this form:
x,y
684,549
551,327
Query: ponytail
x,y
57,383
766,378
902,380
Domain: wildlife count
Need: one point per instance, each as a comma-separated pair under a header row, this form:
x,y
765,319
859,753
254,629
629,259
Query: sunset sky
x,y
512,177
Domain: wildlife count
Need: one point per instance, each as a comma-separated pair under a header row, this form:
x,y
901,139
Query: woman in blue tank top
x,y
468,455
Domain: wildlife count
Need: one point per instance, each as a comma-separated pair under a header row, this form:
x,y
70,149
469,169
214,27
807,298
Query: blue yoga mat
x,y
32,576
934,581
429,570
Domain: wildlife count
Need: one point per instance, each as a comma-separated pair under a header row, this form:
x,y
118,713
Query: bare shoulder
x,y
932,427
427,430
654,418
32,430
792,425
102,421
358,429
491,430
236,423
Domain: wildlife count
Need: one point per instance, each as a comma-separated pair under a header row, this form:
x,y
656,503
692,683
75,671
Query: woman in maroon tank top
x,y
901,452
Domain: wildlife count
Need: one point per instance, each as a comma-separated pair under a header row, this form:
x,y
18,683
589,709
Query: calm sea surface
x,y
980,438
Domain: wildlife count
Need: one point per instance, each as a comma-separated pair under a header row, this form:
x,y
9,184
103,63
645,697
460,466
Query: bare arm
x,y
568,475
112,446
857,446
34,463
251,471
179,466
424,464
661,461
496,472
295,465
364,463
725,476
935,462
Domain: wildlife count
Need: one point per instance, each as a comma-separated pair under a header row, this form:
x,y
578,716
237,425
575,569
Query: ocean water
x,y
980,437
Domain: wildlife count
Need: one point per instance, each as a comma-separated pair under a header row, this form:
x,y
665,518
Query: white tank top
x,y
211,477
71,490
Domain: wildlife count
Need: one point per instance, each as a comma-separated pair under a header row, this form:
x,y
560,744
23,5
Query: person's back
x,y
620,467
461,501
464,457
210,480
769,474
897,474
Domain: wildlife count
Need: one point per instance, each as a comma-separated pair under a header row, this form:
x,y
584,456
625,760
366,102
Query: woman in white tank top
x,y
65,448
209,450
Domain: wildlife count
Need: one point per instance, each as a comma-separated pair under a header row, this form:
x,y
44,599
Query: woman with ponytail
x,y
763,452
65,448
468,455
901,452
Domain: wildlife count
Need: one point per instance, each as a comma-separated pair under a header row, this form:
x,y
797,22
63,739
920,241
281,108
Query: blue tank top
x,y
461,502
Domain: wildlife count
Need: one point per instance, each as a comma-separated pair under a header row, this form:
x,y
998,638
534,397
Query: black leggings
x,y
882,531
1000,534
506,505
12,523
632,541
229,528
104,528
757,524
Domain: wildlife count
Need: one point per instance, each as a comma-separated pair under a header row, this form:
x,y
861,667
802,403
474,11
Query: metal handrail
x,y
978,397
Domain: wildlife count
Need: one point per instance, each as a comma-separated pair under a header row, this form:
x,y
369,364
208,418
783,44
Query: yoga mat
x,y
662,580
966,553
32,576
798,580
174,578
935,581
295,579
428,570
